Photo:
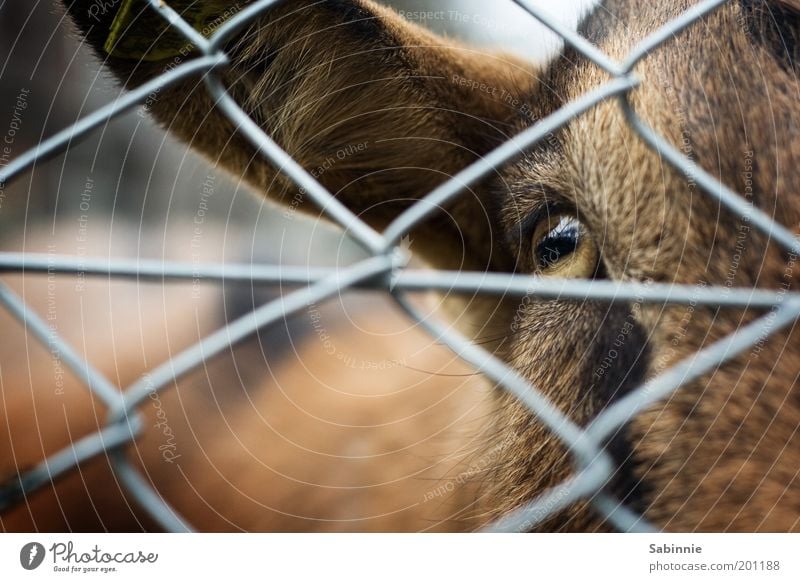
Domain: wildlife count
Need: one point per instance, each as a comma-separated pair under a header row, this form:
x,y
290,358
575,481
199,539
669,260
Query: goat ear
x,y
379,110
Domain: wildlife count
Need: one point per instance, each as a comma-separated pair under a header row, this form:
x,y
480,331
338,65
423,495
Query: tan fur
x,y
719,454
371,438
315,444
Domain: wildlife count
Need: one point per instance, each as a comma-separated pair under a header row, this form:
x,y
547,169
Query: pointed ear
x,y
379,110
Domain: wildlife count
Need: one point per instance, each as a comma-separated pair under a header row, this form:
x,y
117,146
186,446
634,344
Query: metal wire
x,y
385,270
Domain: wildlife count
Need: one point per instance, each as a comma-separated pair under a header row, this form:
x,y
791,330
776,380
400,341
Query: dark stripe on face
x,y
626,373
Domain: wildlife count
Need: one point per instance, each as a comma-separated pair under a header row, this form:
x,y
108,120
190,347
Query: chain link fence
x,y
386,270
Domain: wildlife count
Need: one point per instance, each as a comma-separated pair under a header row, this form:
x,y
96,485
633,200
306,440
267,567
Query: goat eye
x,y
562,247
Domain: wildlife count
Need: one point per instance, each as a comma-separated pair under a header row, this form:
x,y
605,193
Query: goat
x,y
592,201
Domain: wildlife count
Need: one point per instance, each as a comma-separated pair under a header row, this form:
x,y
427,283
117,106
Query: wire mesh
x,y
386,270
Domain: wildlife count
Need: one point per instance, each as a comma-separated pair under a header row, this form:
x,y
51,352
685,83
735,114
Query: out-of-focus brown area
x,y
352,427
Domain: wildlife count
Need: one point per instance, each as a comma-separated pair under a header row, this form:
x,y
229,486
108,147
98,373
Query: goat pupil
x,y
559,243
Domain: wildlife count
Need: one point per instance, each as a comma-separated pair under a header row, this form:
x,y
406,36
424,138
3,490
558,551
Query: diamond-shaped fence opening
x,y
386,270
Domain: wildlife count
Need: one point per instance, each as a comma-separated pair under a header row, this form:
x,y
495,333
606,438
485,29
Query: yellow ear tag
x,y
138,32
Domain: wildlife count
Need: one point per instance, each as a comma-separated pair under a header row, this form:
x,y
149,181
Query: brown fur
x,y
312,441
722,452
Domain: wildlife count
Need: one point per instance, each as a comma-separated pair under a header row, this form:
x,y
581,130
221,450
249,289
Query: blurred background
x,y
129,190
